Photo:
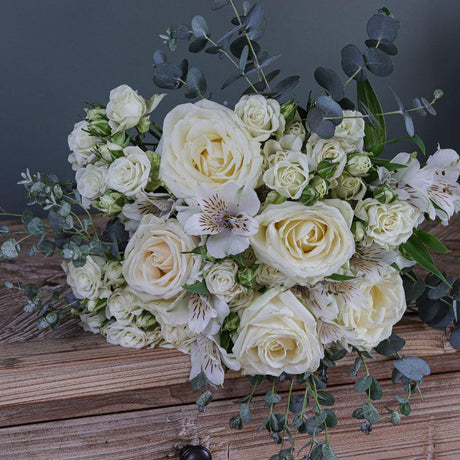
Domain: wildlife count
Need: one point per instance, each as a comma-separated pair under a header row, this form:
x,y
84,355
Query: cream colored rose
x,y
277,334
130,173
242,298
113,273
91,183
372,315
86,281
306,243
276,150
336,149
204,143
359,165
123,305
261,116
126,108
82,146
352,129
388,224
92,322
157,260
220,279
271,277
288,176
349,188
128,336
297,129
178,336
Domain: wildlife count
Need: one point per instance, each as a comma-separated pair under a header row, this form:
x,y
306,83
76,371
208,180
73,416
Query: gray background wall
x,y
56,54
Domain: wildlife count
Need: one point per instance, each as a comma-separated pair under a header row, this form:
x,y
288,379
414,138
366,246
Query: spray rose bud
x,y
288,110
349,188
94,114
320,185
110,203
359,165
95,305
384,194
309,196
99,127
359,230
231,322
110,151
146,320
274,197
327,168
144,124
297,129
112,273
247,276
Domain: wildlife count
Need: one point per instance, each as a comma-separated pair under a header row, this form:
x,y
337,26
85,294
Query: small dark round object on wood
x,y
195,453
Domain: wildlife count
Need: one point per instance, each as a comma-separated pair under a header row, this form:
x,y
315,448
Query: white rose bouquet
x,y
271,238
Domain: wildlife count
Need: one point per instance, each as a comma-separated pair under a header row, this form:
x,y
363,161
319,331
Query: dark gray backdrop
x,y
56,54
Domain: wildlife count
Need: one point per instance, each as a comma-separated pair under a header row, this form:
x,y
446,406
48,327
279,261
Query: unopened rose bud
x,y
110,203
94,114
359,230
146,320
309,195
110,151
288,110
359,165
321,185
99,127
384,194
327,168
274,197
247,276
144,124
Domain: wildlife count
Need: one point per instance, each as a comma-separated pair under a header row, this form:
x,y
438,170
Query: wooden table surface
x,y
69,394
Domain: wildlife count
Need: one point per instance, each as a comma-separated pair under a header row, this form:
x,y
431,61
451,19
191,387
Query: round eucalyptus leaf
x,y
330,108
10,249
382,27
352,61
428,309
438,93
218,4
413,289
166,75
212,50
317,124
286,86
199,26
182,32
346,104
330,81
438,291
409,123
428,107
196,80
159,57
256,32
412,367
384,45
443,318
254,16
237,46
378,62
455,338
198,45
390,346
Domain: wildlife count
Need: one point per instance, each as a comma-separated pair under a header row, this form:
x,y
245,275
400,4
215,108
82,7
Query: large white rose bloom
x,y
86,281
306,243
82,145
277,334
388,224
262,117
205,143
372,313
352,129
157,260
130,174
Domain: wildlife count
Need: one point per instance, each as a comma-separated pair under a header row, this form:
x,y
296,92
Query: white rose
x,y
113,273
123,305
179,337
289,176
388,224
336,149
205,143
277,334
126,108
276,150
261,116
297,129
130,174
306,243
242,298
157,260
359,165
128,336
86,281
220,279
92,322
349,188
271,277
352,129
82,145
91,183
372,315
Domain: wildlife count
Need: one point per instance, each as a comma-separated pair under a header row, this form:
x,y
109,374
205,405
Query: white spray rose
x,y
220,279
276,150
388,224
349,188
336,149
178,336
204,143
82,145
271,277
306,243
157,259
359,165
128,336
130,174
123,305
113,273
296,128
261,116
352,129
277,334
91,183
288,176
372,313
92,322
242,298
126,108
86,281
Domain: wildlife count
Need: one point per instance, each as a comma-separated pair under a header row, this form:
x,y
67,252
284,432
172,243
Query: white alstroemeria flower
x,y
226,215
207,356
206,312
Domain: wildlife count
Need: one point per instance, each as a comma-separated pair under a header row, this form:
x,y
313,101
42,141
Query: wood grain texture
x,y
49,376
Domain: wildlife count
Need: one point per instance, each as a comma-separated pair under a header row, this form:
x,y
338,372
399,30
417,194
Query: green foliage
x,y
197,288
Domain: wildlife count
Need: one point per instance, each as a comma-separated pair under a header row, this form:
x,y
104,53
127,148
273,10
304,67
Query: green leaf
x,y
10,249
414,139
390,346
338,277
395,418
405,409
197,288
199,381
363,384
371,414
373,135
415,250
30,291
325,398
35,226
331,418
204,399
296,403
358,413
412,367
375,390
272,398
245,413
431,241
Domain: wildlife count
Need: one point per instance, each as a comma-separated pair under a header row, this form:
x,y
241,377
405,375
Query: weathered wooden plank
x,y
430,432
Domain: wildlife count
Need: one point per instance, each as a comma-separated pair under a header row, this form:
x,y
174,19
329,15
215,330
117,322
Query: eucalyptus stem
x,y
353,76
367,374
185,84
314,392
286,414
154,134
